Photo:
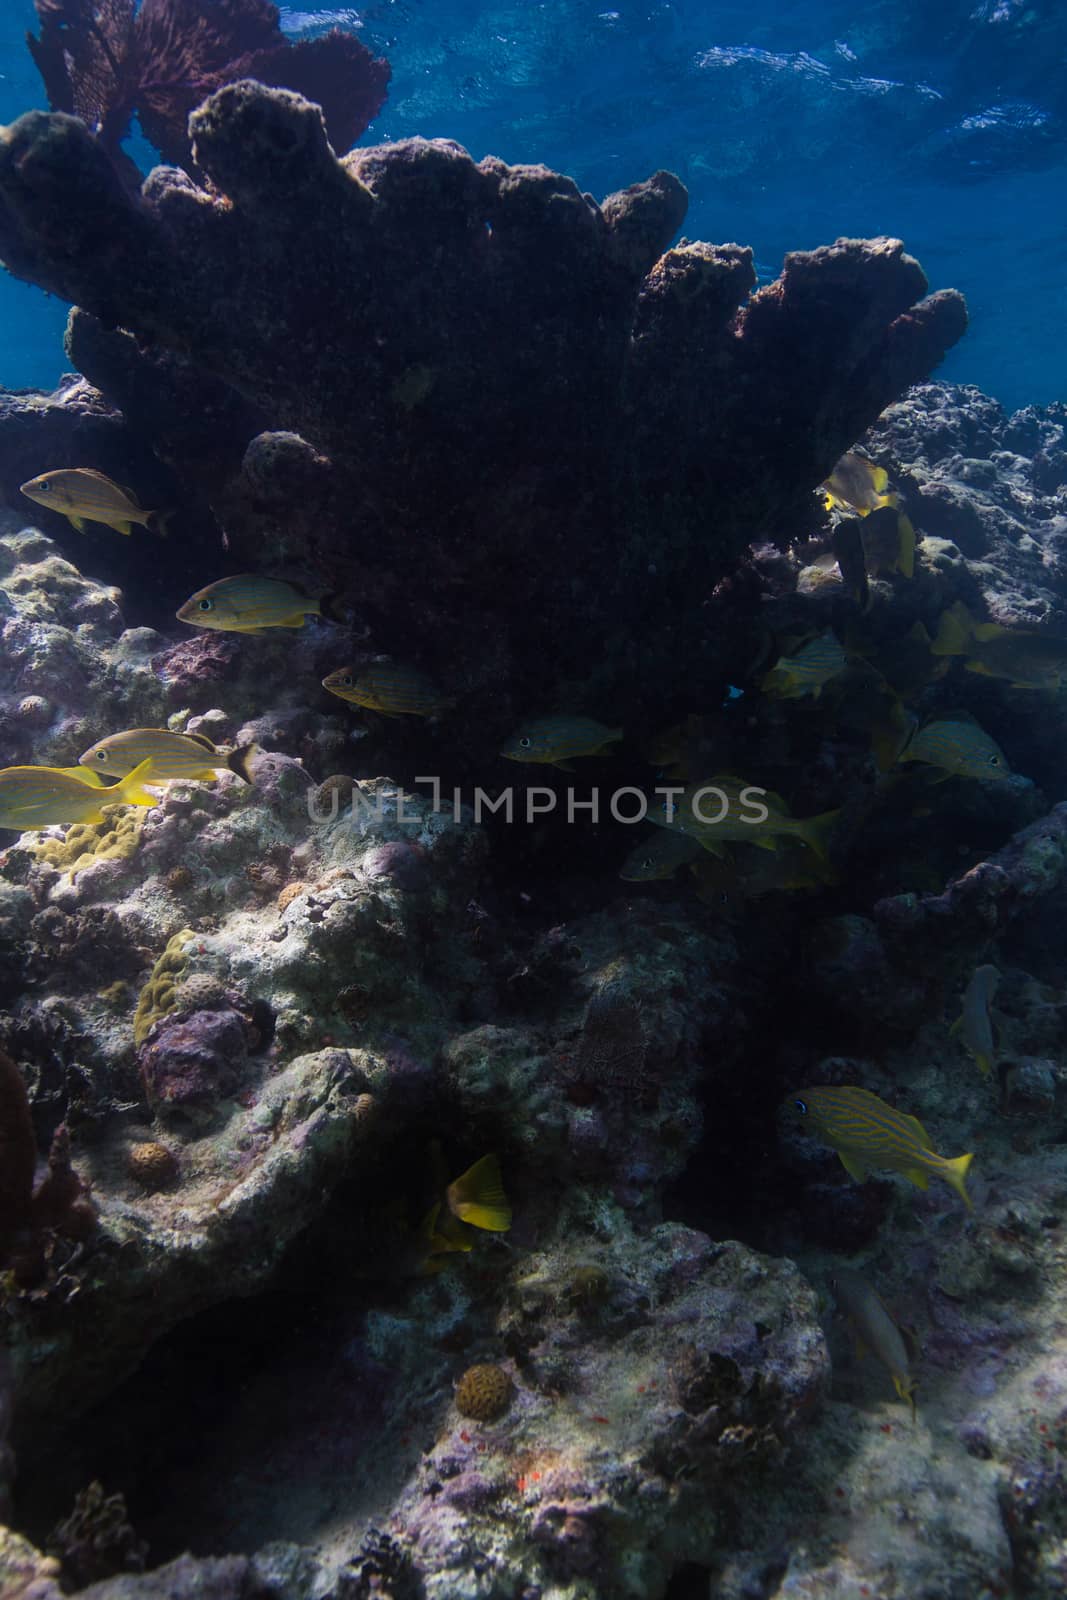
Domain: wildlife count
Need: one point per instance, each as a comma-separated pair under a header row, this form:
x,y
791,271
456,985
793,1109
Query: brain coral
x,y
484,1392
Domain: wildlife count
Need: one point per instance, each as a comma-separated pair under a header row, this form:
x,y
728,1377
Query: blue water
x,y
791,123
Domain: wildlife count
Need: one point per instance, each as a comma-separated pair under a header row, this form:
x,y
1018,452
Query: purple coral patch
x,y
189,1066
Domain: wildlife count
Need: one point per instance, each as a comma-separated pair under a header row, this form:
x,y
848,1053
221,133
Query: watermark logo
x,y
671,805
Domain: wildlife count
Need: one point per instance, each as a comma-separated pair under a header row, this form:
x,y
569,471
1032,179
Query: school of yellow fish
x,y
701,830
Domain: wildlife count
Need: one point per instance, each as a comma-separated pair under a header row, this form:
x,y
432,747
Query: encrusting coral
x,y
85,843
157,998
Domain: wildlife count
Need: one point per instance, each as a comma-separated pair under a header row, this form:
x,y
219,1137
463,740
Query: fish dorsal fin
x,y
478,1197
985,631
203,740
965,717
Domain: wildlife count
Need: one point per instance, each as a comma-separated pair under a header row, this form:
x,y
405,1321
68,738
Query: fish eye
x,y
994,761
346,681
101,755
802,1107
44,484
524,744
207,605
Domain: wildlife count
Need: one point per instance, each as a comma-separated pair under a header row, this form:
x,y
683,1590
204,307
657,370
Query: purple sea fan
x,y
105,62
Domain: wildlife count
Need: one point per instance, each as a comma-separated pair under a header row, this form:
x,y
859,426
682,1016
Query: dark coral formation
x,y
509,403
96,1540
35,1212
160,59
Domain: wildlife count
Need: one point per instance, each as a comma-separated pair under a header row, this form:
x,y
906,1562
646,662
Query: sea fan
x,y
107,61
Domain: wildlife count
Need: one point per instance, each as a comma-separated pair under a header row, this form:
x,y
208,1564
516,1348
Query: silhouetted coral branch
x,y
107,62
18,1156
56,1205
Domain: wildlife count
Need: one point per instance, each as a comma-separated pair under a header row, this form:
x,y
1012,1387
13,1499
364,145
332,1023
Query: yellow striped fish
x,y
41,797
955,743
81,494
554,740
729,811
660,857
875,1329
808,670
388,687
866,1132
173,755
1022,657
249,603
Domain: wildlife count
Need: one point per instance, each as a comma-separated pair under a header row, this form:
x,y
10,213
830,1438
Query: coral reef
x,y
622,445
523,442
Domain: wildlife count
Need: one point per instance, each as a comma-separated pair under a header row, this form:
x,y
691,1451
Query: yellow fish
x,y
1020,656
660,857
388,688
749,875
727,810
974,1024
888,540
475,1199
41,797
876,1330
554,740
866,1132
173,755
81,494
249,603
956,744
808,670
856,484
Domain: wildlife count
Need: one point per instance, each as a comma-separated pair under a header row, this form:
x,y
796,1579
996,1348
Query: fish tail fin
x,y
241,759
131,790
158,522
906,557
955,630
478,1197
906,1388
956,1173
891,736
816,832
